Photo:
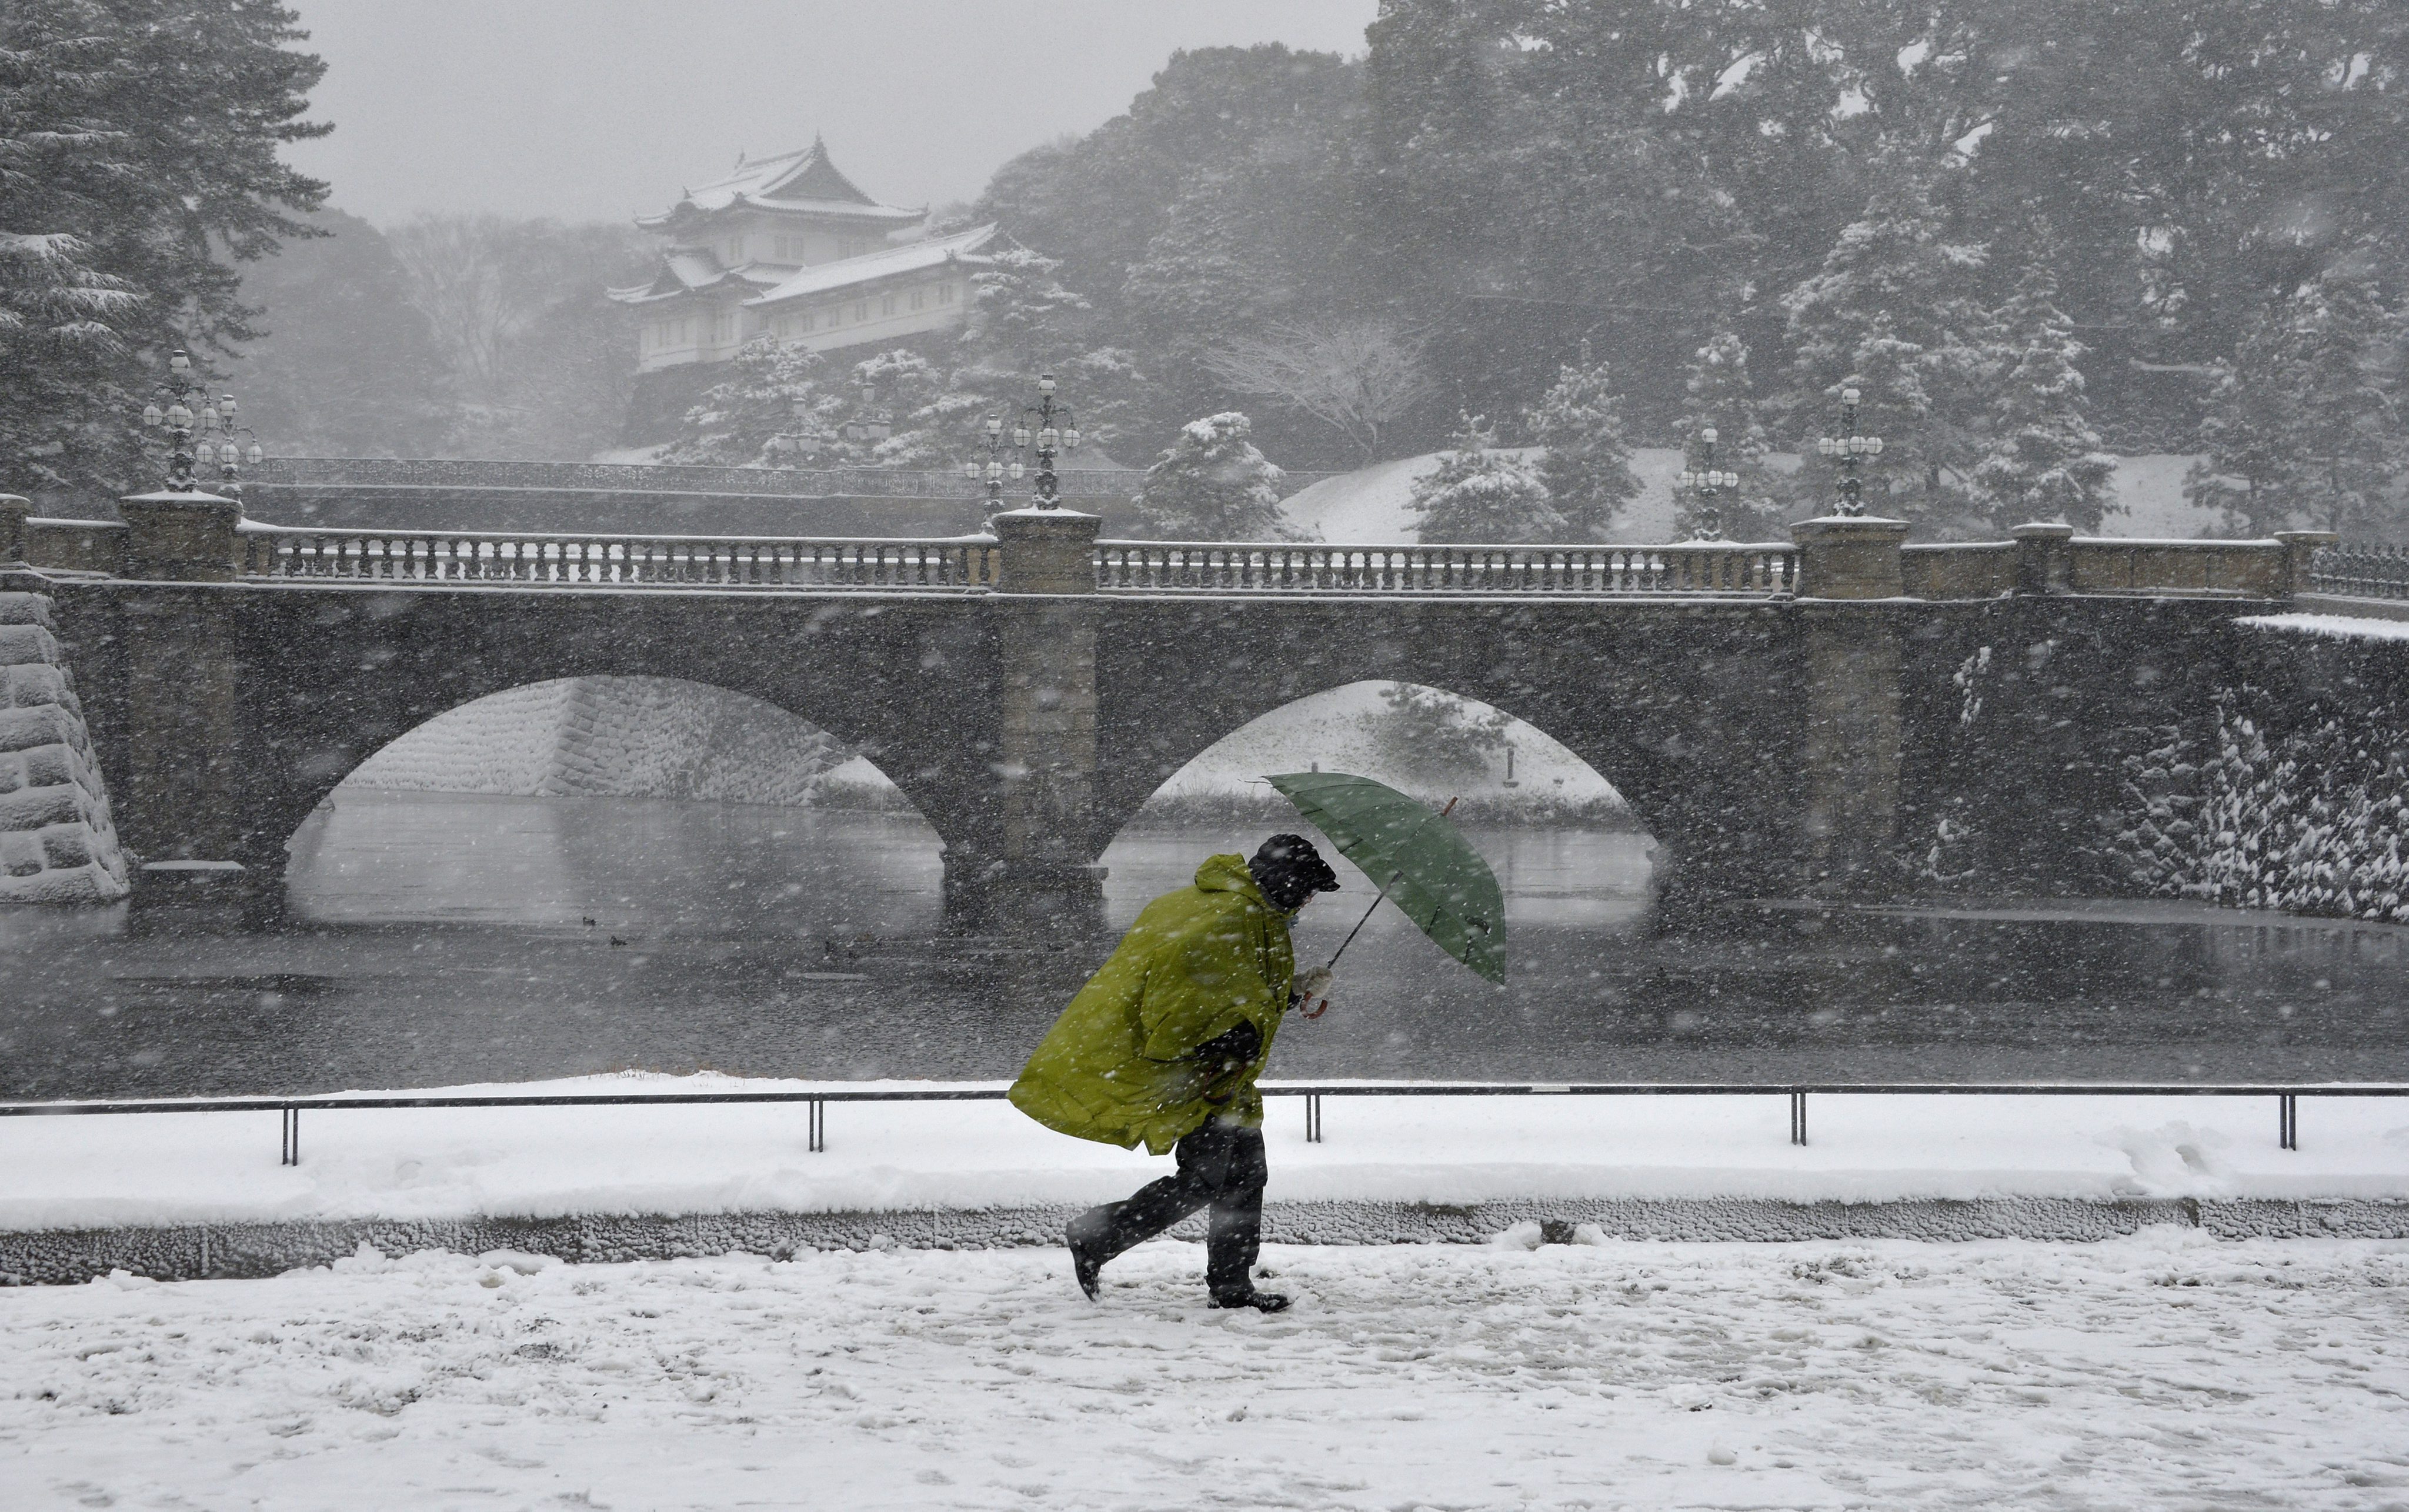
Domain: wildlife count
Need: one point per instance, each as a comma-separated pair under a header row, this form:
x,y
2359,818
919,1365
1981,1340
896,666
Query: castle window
x,y
945,294
861,310
919,298
887,306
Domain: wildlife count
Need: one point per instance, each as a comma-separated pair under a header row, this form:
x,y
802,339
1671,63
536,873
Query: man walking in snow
x,y
1163,1045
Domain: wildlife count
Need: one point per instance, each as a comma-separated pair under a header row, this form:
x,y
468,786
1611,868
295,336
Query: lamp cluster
x,y
1049,439
1705,481
1848,451
202,436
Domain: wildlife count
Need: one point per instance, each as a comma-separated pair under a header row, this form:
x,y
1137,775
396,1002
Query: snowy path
x,y
2163,1371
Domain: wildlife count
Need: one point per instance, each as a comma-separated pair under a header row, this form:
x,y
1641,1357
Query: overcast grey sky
x,y
595,110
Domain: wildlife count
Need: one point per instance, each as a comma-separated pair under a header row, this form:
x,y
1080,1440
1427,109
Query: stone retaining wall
x,y
68,1257
57,843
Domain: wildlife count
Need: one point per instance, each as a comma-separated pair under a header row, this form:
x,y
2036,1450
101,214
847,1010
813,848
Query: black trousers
x,y
1221,1166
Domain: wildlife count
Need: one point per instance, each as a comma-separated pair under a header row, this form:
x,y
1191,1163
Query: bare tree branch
x,y
1354,378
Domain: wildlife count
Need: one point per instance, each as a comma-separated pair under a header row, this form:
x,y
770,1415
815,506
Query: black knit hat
x,y
1288,870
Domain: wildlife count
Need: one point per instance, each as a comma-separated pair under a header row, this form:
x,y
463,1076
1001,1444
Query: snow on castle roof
x,y
846,272
802,180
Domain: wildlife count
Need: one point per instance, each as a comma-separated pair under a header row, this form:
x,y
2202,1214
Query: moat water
x,y
439,939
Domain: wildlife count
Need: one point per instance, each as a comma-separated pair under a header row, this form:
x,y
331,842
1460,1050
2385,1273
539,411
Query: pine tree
x,y
2349,443
1477,493
2042,461
138,168
739,416
2252,468
1719,392
1212,484
1587,467
1889,314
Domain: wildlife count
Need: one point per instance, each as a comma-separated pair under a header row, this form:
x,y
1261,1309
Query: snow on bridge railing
x,y
2362,571
523,560
1274,567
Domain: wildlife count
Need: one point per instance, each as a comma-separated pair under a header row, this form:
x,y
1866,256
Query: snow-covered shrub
x,y
1477,493
1212,484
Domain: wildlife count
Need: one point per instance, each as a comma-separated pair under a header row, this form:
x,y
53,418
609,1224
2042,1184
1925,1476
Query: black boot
x,y
1262,1302
1087,1253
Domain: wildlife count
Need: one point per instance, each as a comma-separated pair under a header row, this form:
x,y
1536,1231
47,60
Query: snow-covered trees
x,y
1719,391
1893,313
2305,426
765,383
2041,459
1477,493
1212,484
139,166
1587,466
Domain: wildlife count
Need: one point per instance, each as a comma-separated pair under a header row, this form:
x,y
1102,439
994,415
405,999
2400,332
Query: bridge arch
x,y
1695,716
477,812
1508,777
309,684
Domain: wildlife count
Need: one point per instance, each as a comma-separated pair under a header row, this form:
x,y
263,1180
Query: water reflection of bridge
x,y
1781,716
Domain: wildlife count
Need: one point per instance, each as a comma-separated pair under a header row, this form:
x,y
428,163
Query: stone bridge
x,y
1779,715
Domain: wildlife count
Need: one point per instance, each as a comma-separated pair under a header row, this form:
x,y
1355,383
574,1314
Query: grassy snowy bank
x,y
186,1169
2162,1371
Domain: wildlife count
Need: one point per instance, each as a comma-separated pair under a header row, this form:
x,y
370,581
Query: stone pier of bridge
x,y
1803,733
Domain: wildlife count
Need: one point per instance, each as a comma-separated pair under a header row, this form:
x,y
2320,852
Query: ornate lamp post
x,y
1847,452
803,440
995,470
1051,438
869,425
202,436
1706,482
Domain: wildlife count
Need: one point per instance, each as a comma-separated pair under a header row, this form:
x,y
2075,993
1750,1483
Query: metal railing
x,y
525,559
2368,572
1205,567
289,1109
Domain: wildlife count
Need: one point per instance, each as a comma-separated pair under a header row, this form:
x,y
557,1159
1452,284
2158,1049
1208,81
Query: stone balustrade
x,y
277,552
1209,567
2362,571
201,537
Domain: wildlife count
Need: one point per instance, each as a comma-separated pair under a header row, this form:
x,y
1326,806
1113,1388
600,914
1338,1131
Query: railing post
x,y
181,537
13,513
1843,557
2300,549
1045,551
2045,558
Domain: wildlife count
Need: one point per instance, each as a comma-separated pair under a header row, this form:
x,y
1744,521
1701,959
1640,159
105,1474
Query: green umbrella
x,y
1422,863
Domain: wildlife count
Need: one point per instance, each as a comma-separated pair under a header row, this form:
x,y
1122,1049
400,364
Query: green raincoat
x,y
1197,963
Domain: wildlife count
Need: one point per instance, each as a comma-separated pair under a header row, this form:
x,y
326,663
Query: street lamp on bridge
x,y
1705,484
995,470
804,442
1847,452
202,436
1051,439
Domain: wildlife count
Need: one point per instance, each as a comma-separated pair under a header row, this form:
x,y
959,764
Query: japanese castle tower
x,y
788,246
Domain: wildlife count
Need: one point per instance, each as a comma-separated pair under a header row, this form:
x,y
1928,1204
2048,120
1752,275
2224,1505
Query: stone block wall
x,y
57,844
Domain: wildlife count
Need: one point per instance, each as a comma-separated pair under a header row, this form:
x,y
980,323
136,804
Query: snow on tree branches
x,y
1212,484
1477,493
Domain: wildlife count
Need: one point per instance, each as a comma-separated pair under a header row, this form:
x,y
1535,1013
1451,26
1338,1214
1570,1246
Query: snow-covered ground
x,y
144,1169
2333,626
1371,504
2168,1370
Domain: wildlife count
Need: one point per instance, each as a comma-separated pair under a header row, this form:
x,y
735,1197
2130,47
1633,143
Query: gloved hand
x,y
1314,984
